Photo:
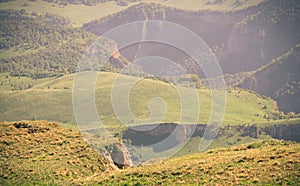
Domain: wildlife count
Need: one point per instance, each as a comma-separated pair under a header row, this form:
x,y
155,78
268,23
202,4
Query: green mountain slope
x,y
55,95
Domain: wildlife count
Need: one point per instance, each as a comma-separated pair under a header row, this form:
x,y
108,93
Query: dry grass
x,y
267,162
40,152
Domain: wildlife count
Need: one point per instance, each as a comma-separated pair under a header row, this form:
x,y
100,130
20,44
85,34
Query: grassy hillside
x,y
41,152
260,163
55,96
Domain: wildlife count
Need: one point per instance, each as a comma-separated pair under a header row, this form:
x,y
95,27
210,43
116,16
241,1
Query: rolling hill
x,y
243,39
55,94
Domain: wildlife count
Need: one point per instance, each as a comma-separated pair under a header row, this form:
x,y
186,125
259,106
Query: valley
x,y
160,140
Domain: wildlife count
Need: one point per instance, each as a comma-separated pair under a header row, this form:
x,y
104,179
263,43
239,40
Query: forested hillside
x,y
40,46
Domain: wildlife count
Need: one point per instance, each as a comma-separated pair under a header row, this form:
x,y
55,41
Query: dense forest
x,y
52,46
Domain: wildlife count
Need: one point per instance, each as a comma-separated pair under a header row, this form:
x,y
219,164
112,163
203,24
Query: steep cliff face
x,y
262,36
243,40
252,131
285,132
213,27
140,135
149,136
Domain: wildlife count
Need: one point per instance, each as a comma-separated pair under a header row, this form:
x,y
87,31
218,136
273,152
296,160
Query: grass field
x,y
259,163
8,82
80,14
16,51
51,99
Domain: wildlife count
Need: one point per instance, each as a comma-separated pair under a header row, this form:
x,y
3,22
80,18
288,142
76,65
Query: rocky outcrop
x,y
252,131
108,157
152,134
119,155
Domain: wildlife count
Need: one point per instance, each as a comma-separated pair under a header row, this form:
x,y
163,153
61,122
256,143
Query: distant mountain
x,y
271,30
213,27
242,41
279,79
44,45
